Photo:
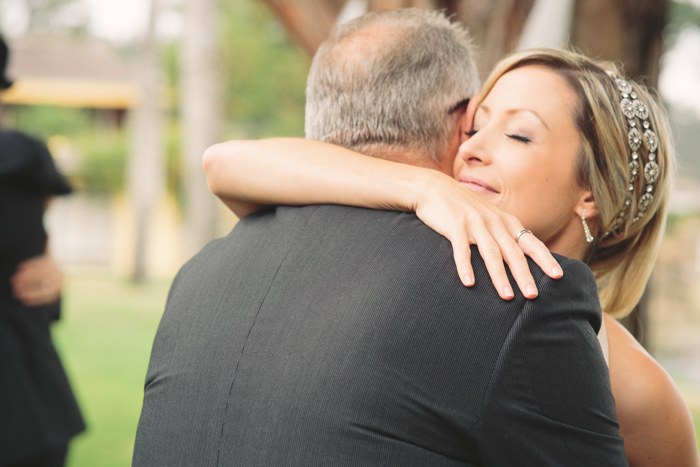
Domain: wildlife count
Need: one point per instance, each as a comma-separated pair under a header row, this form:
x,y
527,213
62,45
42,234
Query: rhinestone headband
x,y
639,133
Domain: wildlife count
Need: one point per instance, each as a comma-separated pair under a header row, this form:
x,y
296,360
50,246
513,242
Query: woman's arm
x,y
248,175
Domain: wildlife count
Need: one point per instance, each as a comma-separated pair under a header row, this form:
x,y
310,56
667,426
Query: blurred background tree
x,y
56,16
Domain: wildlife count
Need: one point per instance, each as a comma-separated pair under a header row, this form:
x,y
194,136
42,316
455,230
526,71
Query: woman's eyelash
x,y
519,138
522,139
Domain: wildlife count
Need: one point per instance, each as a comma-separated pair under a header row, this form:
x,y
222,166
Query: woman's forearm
x,y
250,174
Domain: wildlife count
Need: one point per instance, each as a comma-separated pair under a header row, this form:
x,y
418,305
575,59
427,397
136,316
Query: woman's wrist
x,y
420,184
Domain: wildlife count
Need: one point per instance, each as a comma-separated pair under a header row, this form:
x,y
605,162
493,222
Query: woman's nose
x,y
474,149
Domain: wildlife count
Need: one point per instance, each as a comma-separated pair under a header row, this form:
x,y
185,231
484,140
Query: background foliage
x,y
264,74
264,77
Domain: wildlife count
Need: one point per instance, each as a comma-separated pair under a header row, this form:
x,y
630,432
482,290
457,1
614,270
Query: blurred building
x,y
69,72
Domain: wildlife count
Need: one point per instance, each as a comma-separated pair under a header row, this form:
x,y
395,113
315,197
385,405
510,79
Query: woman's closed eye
x,y
471,132
520,138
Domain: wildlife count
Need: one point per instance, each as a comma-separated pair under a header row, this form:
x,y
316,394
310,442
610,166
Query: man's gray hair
x,y
388,80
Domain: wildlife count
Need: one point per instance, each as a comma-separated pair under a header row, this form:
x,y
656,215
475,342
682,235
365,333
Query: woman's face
x,y
521,155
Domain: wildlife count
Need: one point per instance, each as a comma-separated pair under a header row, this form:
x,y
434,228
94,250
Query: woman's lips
x,y
476,185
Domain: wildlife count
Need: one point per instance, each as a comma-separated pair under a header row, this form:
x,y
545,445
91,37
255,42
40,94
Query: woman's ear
x,y
586,204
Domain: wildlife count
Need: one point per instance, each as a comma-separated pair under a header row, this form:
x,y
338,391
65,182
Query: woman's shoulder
x,y
646,379
654,418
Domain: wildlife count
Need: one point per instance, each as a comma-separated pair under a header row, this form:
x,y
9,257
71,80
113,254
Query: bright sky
x,y
114,20
119,20
680,72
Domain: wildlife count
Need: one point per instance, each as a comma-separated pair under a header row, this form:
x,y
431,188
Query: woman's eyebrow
x,y
518,110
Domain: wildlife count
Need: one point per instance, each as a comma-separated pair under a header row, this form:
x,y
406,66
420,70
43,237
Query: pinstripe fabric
x,y
329,335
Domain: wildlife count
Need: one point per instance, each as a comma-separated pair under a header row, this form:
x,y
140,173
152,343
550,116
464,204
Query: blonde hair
x,y
623,256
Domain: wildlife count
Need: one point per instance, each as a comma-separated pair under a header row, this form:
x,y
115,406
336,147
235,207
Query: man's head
x,y
392,81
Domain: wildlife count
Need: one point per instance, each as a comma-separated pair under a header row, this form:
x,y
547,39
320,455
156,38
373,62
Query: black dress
x,y
38,411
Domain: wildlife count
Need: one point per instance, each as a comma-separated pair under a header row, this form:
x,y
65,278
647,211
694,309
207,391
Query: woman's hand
x,y
37,281
465,219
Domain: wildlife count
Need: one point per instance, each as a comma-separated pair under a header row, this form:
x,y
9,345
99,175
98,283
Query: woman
x,y
580,156
39,412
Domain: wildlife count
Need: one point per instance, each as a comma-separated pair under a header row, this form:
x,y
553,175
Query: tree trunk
x,y
495,25
146,163
201,116
624,31
308,22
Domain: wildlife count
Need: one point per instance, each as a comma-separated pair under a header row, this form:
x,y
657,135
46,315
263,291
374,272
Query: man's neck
x,y
412,157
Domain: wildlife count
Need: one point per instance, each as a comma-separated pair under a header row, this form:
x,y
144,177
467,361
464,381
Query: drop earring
x,y
586,230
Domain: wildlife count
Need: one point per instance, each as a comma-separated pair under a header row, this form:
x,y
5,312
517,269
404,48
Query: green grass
x,y
105,340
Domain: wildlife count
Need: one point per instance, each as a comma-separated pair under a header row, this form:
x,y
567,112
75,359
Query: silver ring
x,y
521,233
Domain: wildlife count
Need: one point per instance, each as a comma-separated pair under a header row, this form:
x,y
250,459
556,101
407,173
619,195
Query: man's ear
x,y
587,203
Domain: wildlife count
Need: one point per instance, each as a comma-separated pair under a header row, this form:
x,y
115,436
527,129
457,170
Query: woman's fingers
x,y
540,254
493,259
475,231
463,260
517,262
494,227
495,236
496,247
465,220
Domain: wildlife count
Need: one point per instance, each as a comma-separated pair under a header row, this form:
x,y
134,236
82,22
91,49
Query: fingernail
x,y
508,292
531,291
468,280
557,271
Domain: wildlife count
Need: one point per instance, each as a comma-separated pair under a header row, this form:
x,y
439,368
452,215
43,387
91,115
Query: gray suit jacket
x,y
330,335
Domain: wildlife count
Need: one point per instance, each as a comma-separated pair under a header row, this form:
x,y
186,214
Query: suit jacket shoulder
x,y
552,382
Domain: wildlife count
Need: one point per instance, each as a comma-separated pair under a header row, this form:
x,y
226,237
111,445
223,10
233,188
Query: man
x,y
329,335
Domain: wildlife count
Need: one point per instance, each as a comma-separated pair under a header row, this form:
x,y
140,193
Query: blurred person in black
x,y
38,411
